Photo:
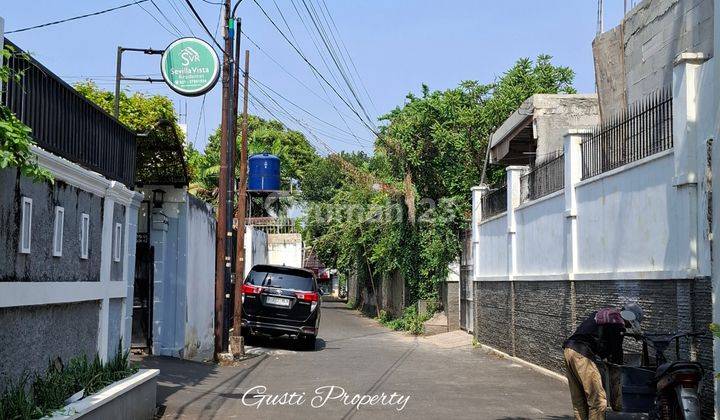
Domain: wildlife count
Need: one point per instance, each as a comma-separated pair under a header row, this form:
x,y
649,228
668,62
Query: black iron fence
x,y
641,131
65,123
494,202
544,178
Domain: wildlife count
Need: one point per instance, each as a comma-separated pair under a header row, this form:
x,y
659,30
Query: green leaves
x,y
15,139
15,142
50,389
296,154
437,141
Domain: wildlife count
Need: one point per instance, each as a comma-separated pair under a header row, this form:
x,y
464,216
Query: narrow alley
x,y
362,357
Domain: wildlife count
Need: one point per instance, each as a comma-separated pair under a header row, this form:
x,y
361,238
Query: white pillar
x,y
513,200
159,226
105,266
130,241
477,193
573,174
685,88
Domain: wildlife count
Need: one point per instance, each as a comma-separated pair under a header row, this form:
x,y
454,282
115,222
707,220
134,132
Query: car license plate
x,y
277,301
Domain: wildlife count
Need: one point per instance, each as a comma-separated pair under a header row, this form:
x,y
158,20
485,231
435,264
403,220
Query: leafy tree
x,y
295,153
322,179
159,148
429,154
15,137
139,111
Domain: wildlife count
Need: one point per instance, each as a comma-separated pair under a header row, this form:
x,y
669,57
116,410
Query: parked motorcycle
x,y
676,384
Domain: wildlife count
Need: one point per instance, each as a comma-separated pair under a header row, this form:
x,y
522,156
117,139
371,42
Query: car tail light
x,y
307,296
312,297
249,289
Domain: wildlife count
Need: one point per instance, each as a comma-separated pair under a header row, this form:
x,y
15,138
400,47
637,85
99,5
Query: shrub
x,y
50,390
410,321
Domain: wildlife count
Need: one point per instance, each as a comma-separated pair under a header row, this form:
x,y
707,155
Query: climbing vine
x,y
404,208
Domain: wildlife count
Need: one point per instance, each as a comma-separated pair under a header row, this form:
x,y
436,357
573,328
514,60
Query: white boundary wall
x,y
14,294
645,220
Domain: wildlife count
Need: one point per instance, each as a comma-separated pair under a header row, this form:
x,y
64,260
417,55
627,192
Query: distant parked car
x,y
280,300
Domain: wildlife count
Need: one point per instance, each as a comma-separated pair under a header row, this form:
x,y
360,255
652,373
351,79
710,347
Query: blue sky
x,y
396,45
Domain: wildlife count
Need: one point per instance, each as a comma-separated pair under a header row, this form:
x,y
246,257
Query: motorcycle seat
x,y
669,367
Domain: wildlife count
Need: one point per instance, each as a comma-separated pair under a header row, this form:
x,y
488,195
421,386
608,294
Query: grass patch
x,y
49,391
410,320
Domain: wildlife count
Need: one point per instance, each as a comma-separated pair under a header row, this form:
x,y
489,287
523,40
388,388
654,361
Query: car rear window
x,y
281,279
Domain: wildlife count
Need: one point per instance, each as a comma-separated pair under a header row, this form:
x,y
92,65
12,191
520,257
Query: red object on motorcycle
x,y
687,379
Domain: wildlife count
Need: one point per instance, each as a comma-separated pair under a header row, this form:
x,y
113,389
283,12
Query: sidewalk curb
x,y
539,369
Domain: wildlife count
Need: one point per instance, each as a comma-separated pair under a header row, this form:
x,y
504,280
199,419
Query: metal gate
x,y
467,305
143,295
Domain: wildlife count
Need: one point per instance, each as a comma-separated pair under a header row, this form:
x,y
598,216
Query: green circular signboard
x,y
190,66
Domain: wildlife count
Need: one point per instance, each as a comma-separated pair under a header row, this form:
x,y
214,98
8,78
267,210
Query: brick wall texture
x,y
531,319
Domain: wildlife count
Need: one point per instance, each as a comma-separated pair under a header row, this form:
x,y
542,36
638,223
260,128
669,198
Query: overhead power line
x,y
294,77
180,15
331,49
264,90
176,33
76,17
327,99
164,16
324,79
347,52
202,23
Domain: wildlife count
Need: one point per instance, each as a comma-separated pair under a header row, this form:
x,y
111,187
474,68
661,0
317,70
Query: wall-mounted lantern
x,y
158,198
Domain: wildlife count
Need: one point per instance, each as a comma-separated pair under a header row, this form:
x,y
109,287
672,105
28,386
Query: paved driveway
x,y
399,375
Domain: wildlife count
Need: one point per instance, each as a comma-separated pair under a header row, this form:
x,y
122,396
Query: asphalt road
x,y
404,376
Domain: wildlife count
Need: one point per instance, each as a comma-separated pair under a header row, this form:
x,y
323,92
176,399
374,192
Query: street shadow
x,y
283,343
176,375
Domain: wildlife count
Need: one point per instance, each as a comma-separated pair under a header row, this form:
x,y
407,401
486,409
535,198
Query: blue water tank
x,y
263,172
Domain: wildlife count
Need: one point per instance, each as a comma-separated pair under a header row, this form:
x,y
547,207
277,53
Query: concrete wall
x,y
285,248
116,267
257,248
450,295
554,114
541,236
639,233
33,335
642,49
183,235
492,256
631,221
199,339
39,264
62,306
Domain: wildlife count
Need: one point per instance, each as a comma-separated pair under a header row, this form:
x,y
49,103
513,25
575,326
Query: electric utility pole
x,y
240,213
223,240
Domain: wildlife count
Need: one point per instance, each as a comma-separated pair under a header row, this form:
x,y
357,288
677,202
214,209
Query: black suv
x,y
279,300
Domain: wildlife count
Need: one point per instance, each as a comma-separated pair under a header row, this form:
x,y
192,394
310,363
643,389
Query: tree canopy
x,y
160,139
296,155
429,153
